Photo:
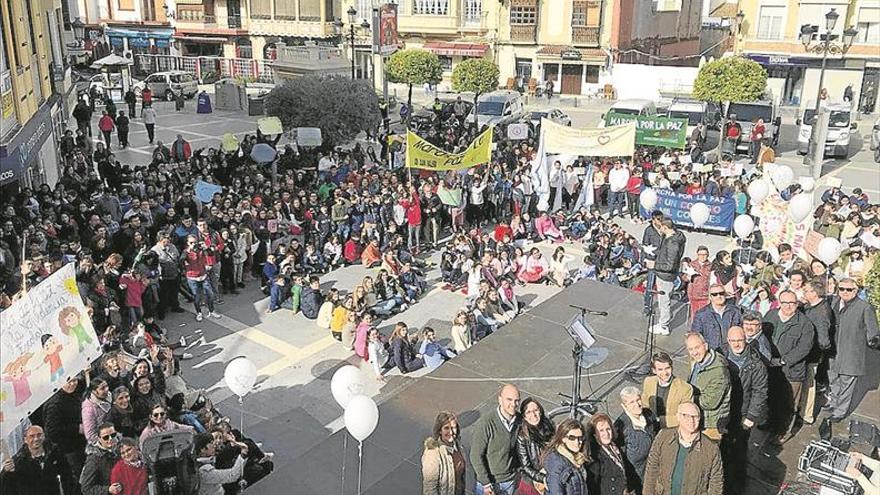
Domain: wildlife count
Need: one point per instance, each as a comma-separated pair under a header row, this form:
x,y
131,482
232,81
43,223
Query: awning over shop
x,y
138,37
456,49
199,39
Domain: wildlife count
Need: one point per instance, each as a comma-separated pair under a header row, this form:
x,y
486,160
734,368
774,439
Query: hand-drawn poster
x,y
46,337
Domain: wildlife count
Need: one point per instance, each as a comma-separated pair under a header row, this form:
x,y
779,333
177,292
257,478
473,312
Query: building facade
x,y
770,35
36,92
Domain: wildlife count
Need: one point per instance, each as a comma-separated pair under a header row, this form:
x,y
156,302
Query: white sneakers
x,y
659,330
214,314
199,317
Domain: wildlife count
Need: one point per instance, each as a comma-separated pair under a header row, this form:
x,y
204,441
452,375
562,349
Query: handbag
x,y
526,488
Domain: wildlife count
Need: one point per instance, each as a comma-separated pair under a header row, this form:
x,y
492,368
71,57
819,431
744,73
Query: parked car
x,y
839,129
497,108
167,84
553,114
875,140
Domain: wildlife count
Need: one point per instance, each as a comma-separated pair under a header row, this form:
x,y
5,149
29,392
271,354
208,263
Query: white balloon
x,y
699,214
347,382
782,177
758,190
829,250
648,199
240,375
807,183
774,253
800,207
743,225
361,417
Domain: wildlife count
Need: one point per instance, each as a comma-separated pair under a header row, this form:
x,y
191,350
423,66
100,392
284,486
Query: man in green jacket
x,y
493,447
710,378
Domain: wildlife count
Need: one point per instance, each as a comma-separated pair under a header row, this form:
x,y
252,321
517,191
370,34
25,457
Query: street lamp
x,y
824,44
78,30
740,17
352,17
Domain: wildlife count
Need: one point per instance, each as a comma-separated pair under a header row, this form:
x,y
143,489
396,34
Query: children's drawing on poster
x,y
46,337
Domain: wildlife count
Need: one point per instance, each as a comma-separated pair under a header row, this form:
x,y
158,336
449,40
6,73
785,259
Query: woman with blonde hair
x,y
443,465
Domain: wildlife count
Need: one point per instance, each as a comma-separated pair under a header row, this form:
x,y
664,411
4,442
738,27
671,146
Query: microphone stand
x,y
648,350
575,401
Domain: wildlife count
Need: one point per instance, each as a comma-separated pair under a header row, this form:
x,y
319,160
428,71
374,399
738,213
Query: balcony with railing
x,y
233,21
195,17
585,35
522,33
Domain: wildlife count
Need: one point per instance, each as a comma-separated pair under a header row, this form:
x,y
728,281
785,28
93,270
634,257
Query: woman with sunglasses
x,y
565,460
160,423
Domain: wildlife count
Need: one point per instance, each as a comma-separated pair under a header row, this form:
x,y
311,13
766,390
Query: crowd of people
x,y
146,237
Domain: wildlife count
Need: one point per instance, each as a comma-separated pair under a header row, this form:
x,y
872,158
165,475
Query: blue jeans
x,y
616,202
506,488
201,290
343,230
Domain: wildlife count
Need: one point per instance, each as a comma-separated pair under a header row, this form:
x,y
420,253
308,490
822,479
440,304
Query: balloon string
x,y
241,415
360,463
344,453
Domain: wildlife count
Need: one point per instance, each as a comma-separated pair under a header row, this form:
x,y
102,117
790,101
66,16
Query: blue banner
x,y
678,207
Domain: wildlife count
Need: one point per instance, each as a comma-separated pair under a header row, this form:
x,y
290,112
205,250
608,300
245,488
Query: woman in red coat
x,y
413,219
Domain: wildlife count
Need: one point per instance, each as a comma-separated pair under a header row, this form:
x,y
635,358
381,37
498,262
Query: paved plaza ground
x,y
292,410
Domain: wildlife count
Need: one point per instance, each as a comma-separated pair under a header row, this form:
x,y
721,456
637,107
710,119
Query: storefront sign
x,y
18,154
678,207
653,130
570,55
424,155
385,39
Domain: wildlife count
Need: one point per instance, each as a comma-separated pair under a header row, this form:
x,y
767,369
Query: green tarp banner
x,y
653,131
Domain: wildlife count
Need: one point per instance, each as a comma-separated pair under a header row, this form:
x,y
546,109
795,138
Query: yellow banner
x,y
424,155
616,140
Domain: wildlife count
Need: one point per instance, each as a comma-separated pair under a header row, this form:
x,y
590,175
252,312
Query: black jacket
x,y
748,394
651,238
63,414
29,478
823,320
95,477
606,476
669,256
791,342
636,442
529,453
856,325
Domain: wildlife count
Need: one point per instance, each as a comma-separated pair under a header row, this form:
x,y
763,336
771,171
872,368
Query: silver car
x,y
167,84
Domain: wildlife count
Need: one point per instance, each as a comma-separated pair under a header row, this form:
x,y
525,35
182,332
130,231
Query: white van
x,y
634,106
695,112
497,107
839,129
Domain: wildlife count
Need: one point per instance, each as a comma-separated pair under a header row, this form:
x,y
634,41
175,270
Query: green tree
x,y
342,108
413,67
479,75
730,79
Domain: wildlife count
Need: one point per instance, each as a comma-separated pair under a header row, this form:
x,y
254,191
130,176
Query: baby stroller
x,y
171,464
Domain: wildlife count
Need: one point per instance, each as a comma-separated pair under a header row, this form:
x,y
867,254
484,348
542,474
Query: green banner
x,y
653,131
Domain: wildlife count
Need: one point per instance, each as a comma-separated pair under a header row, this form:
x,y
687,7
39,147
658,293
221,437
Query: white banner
x,y
46,337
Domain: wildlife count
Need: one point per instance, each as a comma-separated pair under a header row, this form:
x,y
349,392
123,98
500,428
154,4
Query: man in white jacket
x,y
617,179
211,479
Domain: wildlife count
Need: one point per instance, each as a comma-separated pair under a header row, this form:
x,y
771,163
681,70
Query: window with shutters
x,y
585,13
770,22
310,10
430,7
261,9
868,25
285,10
472,11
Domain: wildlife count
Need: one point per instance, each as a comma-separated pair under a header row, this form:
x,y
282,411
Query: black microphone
x,y
589,311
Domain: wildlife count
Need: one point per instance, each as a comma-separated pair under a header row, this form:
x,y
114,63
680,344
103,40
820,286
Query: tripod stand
x,y
583,355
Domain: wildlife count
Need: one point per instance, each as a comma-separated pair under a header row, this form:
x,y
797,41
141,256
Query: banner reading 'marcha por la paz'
x,y
424,155
653,130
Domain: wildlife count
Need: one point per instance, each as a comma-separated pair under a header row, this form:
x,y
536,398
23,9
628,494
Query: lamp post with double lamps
x,y
824,44
352,13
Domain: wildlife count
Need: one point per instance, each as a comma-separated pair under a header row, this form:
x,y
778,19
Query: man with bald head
x,y
37,468
683,460
710,379
748,403
493,454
